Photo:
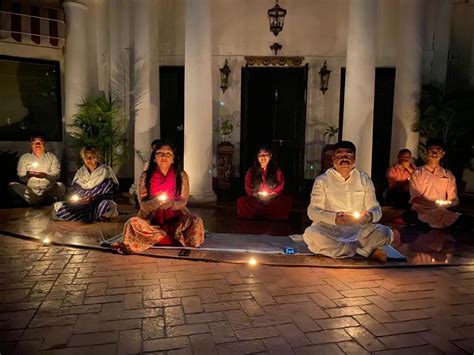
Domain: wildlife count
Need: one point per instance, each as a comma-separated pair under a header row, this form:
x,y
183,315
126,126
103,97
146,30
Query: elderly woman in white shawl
x,y
91,197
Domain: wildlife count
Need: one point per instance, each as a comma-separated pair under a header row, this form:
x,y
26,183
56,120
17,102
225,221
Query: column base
x,y
203,197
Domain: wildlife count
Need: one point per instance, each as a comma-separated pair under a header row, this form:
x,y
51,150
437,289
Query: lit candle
x,y
442,203
356,214
74,198
252,261
263,193
34,165
46,241
163,197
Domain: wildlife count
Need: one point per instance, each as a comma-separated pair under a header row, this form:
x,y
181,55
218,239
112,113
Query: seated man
x,y
343,208
433,191
38,173
398,177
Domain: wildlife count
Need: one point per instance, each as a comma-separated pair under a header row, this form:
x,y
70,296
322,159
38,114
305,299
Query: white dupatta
x,y
88,180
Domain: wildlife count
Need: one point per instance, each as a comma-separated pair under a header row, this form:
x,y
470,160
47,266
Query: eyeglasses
x,y
164,155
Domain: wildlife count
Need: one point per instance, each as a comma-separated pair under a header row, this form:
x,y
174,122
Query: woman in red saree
x,y
264,183
163,218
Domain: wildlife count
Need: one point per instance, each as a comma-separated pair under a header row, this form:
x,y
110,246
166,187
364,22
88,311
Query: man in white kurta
x,y
343,209
38,173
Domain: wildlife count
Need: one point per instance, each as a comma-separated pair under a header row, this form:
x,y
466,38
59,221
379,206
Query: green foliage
x,y
98,124
329,131
451,118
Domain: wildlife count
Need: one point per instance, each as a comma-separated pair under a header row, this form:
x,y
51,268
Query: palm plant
x,y
451,118
98,124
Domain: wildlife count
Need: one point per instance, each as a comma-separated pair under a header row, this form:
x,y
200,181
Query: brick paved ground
x,y
62,300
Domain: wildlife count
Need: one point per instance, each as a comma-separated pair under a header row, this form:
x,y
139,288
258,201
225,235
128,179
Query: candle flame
x,y
74,198
356,214
34,165
163,197
46,241
441,203
252,261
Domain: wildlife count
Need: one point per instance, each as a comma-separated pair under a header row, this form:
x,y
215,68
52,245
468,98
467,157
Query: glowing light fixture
x,y
324,74
276,16
225,72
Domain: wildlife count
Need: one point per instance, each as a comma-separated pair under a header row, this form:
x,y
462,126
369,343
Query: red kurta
x,y
276,208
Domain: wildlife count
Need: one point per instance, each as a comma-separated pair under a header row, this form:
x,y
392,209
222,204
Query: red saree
x,y
157,225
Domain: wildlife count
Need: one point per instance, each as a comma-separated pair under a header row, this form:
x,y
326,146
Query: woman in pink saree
x,y
163,217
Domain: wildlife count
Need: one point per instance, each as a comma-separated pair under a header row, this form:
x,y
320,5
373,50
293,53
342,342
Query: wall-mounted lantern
x,y
324,76
276,16
225,71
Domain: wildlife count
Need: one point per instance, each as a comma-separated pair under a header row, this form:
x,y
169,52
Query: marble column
x,y
198,100
408,76
360,80
76,85
146,94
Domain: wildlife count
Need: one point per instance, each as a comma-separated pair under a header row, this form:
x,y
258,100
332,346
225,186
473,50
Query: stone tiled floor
x,y
61,300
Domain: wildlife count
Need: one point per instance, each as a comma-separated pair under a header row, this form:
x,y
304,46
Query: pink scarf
x,y
160,184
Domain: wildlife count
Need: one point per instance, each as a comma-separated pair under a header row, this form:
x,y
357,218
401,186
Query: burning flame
x,y
252,261
163,197
34,165
74,198
356,214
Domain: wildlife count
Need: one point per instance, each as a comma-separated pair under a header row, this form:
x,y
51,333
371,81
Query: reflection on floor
x,y
433,247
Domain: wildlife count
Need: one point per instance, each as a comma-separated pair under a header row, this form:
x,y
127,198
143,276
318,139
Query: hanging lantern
x,y
276,16
324,75
225,71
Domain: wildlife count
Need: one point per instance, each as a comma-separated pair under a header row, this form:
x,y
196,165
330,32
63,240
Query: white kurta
x,y
47,163
332,194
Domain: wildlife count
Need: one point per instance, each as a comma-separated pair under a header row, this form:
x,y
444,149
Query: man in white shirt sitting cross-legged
x,y
343,209
38,173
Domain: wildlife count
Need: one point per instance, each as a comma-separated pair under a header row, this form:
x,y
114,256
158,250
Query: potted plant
x,y
451,118
329,132
225,152
98,123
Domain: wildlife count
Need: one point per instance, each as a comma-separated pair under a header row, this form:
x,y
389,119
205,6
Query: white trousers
x,y
53,193
372,237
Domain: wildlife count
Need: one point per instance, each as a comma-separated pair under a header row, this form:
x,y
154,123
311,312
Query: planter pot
x,y
225,171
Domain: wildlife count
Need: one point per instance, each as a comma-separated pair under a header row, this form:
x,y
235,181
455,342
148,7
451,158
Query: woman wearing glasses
x,y
163,218
264,183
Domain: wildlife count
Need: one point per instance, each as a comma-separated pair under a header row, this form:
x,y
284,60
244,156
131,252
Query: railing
x,y
35,30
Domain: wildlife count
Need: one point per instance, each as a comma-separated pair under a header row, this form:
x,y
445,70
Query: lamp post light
x,y
276,16
225,71
324,75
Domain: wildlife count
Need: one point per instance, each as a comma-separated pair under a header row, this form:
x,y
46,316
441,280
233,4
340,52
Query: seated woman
x,y
163,218
264,184
92,191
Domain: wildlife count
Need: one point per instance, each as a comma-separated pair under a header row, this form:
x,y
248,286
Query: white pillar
x,y
360,80
408,76
146,82
441,41
198,100
76,85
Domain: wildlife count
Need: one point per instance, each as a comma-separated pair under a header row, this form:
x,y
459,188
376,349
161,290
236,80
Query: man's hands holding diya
x,y
352,218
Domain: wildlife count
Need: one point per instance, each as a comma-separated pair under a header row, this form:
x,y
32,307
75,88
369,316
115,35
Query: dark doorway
x,y
382,130
172,105
274,113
